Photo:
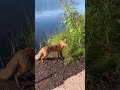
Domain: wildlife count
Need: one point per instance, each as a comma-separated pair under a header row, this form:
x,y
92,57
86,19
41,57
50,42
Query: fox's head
x,y
63,43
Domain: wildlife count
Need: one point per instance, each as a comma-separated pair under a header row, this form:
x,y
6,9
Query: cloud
x,y
48,13
53,13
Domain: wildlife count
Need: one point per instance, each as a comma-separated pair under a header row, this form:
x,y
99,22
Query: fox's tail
x,y
39,55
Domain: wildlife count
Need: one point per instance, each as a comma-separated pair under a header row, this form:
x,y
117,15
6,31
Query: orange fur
x,y
44,52
21,63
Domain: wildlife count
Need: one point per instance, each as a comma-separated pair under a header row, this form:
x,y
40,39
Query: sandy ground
x,y
51,76
57,76
76,82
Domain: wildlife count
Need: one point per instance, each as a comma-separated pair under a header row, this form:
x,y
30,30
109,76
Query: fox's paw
x,y
43,62
62,58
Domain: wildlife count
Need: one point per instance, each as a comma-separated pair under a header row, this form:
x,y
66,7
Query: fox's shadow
x,y
52,58
55,59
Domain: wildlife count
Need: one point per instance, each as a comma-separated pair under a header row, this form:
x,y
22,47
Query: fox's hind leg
x,y
44,57
16,78
61,55
58,54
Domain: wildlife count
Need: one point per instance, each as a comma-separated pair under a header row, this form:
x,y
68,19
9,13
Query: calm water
x,y
47,18
45,27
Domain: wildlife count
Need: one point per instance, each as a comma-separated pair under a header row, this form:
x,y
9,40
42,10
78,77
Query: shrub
x,y
74,32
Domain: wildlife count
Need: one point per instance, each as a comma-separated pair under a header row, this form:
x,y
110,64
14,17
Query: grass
x,y
20,37
102,45
74,48
74,32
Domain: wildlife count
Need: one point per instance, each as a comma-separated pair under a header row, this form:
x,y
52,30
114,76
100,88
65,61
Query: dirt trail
x,y
57,76
27,82
76,82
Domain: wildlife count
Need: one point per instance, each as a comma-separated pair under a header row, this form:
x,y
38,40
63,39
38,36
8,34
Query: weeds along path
x,y
52,75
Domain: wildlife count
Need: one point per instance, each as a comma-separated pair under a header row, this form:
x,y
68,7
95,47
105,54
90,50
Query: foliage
x,y
23,39
102,40
74,32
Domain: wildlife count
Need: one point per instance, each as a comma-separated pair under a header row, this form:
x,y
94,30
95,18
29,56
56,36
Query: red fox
x,y
21,63
44,52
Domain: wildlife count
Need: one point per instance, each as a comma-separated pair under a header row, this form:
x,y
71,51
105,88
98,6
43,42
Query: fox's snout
x,y
64,43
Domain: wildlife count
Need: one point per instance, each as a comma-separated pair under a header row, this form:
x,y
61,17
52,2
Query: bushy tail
x,y
39,55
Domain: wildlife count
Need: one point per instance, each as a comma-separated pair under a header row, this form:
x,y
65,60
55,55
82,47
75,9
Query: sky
x,y
46,8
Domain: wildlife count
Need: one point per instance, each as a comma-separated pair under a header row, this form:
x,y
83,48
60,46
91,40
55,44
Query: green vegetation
x,y
21,38
74,32
102,44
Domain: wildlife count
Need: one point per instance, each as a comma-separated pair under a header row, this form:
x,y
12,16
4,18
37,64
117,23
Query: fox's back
x,y
53,48
22,57
27,52
26,56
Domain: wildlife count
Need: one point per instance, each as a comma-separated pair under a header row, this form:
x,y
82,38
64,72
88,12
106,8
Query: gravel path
x,y
57,76
11,84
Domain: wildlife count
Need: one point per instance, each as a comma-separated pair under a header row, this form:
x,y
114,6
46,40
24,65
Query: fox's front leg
x,y
16,79
21,72
58,54
61,55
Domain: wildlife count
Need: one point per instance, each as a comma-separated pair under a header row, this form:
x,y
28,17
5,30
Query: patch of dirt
x,y
27,81
76,82
51,74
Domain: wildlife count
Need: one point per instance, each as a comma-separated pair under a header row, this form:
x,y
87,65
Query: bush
x,y
74,32
102,41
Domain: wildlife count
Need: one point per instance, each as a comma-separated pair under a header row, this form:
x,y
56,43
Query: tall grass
x,y
1,62
74,32
102,45
21,40
20,37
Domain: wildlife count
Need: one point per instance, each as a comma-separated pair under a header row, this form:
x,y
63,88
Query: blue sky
x,y
81,7
48,8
